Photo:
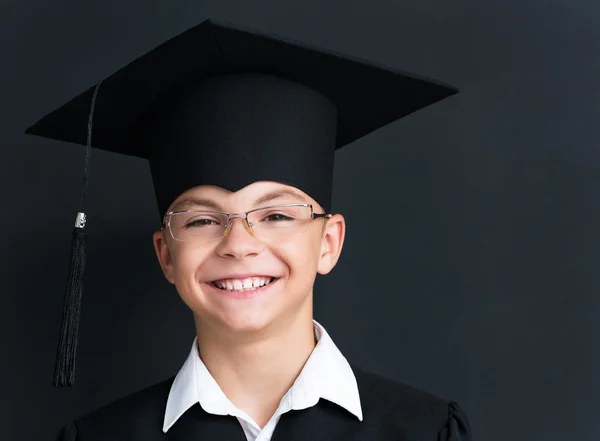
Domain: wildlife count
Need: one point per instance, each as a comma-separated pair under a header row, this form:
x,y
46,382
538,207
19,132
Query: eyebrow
x,y
279,194
192,202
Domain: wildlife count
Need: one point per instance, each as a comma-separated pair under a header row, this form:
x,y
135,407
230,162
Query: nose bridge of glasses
x,y
243,217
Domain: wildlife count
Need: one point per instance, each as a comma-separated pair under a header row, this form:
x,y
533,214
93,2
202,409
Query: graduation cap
x,y
227,106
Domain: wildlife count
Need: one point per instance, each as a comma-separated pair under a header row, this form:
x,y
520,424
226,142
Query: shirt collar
x,y
326,374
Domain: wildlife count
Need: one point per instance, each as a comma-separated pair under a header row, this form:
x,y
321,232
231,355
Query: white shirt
x,y
326,374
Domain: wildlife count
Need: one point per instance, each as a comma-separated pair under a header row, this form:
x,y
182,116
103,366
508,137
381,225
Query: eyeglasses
x,y
269,224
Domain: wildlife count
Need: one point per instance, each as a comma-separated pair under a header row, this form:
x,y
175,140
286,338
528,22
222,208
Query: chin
x,y
244,324
231,315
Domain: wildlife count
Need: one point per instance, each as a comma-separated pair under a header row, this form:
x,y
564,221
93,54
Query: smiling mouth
x,y
241,285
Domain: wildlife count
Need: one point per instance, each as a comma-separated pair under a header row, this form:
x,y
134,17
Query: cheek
x,y
301,256
186,262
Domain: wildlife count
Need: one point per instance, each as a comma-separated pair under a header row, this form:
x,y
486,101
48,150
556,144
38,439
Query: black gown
x,y
392,411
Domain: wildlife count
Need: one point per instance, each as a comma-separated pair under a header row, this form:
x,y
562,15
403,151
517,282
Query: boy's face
x,y
194,266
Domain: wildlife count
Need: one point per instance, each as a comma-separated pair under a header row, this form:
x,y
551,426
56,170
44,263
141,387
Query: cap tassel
x,y
64,368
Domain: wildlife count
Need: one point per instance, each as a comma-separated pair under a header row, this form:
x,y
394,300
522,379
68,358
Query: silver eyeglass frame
x,y
244,215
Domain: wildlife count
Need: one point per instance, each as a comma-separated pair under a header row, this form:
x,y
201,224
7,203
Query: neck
x,y
256,371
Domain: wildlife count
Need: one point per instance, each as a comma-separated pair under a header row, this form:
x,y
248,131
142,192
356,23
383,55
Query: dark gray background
x,y
470,263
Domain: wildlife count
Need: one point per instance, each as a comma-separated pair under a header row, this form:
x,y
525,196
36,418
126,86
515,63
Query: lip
x,y
243,276
242,295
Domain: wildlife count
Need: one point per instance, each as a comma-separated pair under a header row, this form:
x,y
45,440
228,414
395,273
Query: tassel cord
x,y
64,369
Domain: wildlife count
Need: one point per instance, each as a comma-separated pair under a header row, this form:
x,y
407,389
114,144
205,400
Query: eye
x,y
277,217
201,222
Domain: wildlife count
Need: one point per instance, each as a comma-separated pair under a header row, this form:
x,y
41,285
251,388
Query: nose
x,y
239,241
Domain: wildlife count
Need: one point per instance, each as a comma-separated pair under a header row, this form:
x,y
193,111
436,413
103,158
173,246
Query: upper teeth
x,y
240,284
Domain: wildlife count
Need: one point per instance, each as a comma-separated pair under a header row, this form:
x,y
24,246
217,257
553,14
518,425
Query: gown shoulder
x,y
416,413
138,412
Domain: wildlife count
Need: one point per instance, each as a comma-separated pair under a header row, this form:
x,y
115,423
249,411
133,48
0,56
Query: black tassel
x,y
64,368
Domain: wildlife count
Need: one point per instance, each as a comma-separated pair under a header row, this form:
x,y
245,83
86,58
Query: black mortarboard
x,y
227,106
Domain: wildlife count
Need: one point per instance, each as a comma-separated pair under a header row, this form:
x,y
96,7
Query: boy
x,y
240,130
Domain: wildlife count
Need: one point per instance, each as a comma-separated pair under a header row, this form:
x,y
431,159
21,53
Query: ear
x,y
331,243
164,255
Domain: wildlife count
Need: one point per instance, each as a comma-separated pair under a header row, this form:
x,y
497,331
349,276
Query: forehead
x,y
256,194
